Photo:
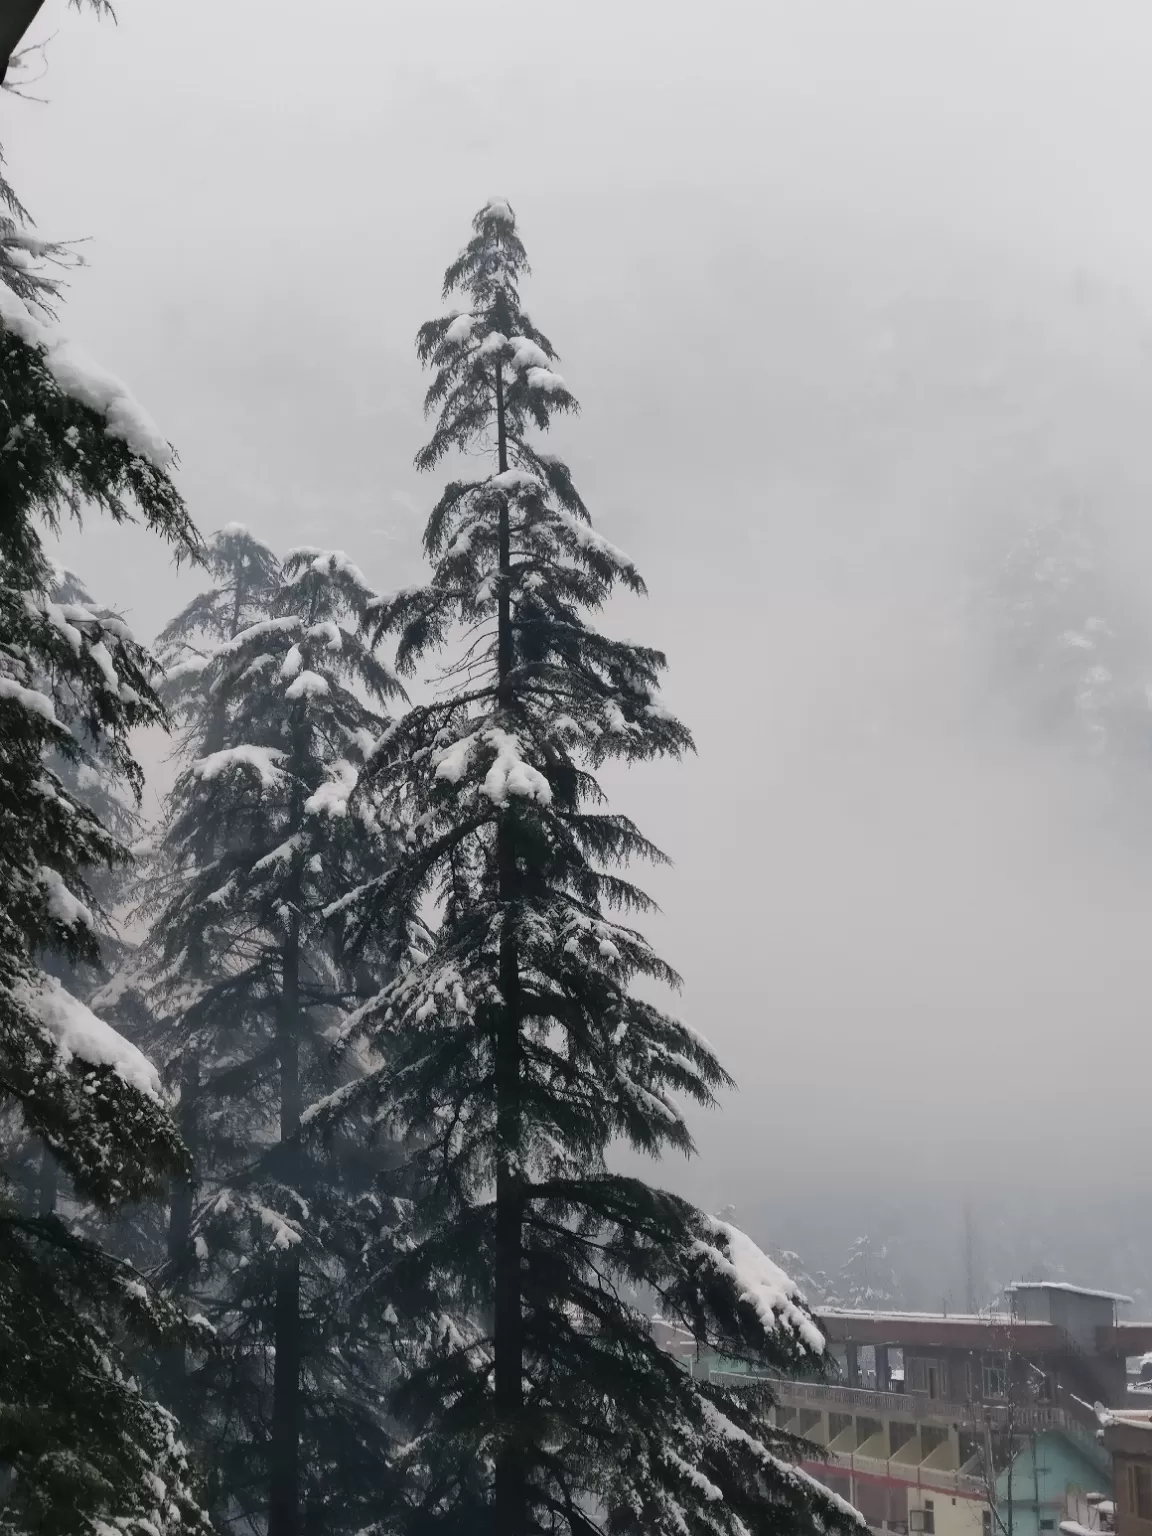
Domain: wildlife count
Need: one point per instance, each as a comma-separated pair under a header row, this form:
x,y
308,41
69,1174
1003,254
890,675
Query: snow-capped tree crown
x,y
511,1051
282,700
90,1447
511,740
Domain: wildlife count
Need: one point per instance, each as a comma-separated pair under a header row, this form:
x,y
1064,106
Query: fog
x,y
851,296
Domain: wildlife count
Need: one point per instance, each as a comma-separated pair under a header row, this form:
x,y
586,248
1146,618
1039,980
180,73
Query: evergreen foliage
x,y
512,1052
78,1442
244,976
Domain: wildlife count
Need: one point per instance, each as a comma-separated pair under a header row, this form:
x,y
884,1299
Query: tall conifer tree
x,y
79,1443
245,976
512,1052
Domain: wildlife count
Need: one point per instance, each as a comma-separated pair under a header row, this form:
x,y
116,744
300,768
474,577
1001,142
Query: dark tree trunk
x,y
46,1193
511,1490
184,1188
175,1364
287,1398
16,16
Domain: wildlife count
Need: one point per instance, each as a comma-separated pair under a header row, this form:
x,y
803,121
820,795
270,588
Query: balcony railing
x,y
919,1406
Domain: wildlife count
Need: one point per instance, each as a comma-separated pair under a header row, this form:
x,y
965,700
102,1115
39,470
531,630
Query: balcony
x,y
922,1409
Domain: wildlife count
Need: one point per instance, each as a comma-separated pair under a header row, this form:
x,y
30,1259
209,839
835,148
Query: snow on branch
x,y
78,1033
511,775
545,379
262,759
763,1284
62,905
261,627
82,379
587,538
723,1427
331,799
31,699
307,684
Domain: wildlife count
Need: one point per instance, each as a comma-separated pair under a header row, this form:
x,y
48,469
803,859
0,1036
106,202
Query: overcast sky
x,y
846,291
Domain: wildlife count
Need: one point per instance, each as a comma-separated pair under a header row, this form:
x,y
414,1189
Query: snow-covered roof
x,y
884,1316
1063,1285
1135,1418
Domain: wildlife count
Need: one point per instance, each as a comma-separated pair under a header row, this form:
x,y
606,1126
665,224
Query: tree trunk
x,y
46,1192
184,1187
511,1488
287,1399
16,16
183,1203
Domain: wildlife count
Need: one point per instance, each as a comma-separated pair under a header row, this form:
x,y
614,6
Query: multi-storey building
x,y
969,1425
1127,1437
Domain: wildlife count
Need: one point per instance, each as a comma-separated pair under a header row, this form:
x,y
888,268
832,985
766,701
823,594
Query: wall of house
x,y
1046,1472
957,1516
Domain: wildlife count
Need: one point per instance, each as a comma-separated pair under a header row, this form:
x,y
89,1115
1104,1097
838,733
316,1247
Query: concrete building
x,y
969,1425
1127,1437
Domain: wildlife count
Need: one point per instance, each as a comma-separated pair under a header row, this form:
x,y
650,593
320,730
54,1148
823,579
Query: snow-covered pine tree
x,y
513,1054
79,1443
91,780
867,1280
246,978
95,783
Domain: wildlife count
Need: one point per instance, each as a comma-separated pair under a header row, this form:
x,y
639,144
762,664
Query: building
x,y
970,1425
1127,1437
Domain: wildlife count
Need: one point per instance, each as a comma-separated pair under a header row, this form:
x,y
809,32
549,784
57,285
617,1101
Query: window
x,y
926,1376
929,1517
1047,1525
1140,1489
994,1379
986,1522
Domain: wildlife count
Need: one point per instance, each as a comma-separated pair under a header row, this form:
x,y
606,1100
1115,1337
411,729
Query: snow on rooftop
x,y
1063,1285
869,1315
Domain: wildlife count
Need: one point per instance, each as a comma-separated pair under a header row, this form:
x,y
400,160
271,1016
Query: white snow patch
x,y
82,379
327,629
307,685
292,663
62,905
696,1478
78,1033
529,355
331,799
262,759
510,774
587,538
186,668
279,855
261,627
31,699
516,480
545,379
759,1281
460,329
452,761
285,1236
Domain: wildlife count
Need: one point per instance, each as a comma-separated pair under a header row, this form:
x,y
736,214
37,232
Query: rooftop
x,y
1063,1285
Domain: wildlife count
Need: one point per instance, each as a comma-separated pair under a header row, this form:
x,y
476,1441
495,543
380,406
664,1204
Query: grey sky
x,y
844,290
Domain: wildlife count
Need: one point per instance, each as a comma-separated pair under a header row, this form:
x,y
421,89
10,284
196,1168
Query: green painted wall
x,y
1040,1483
